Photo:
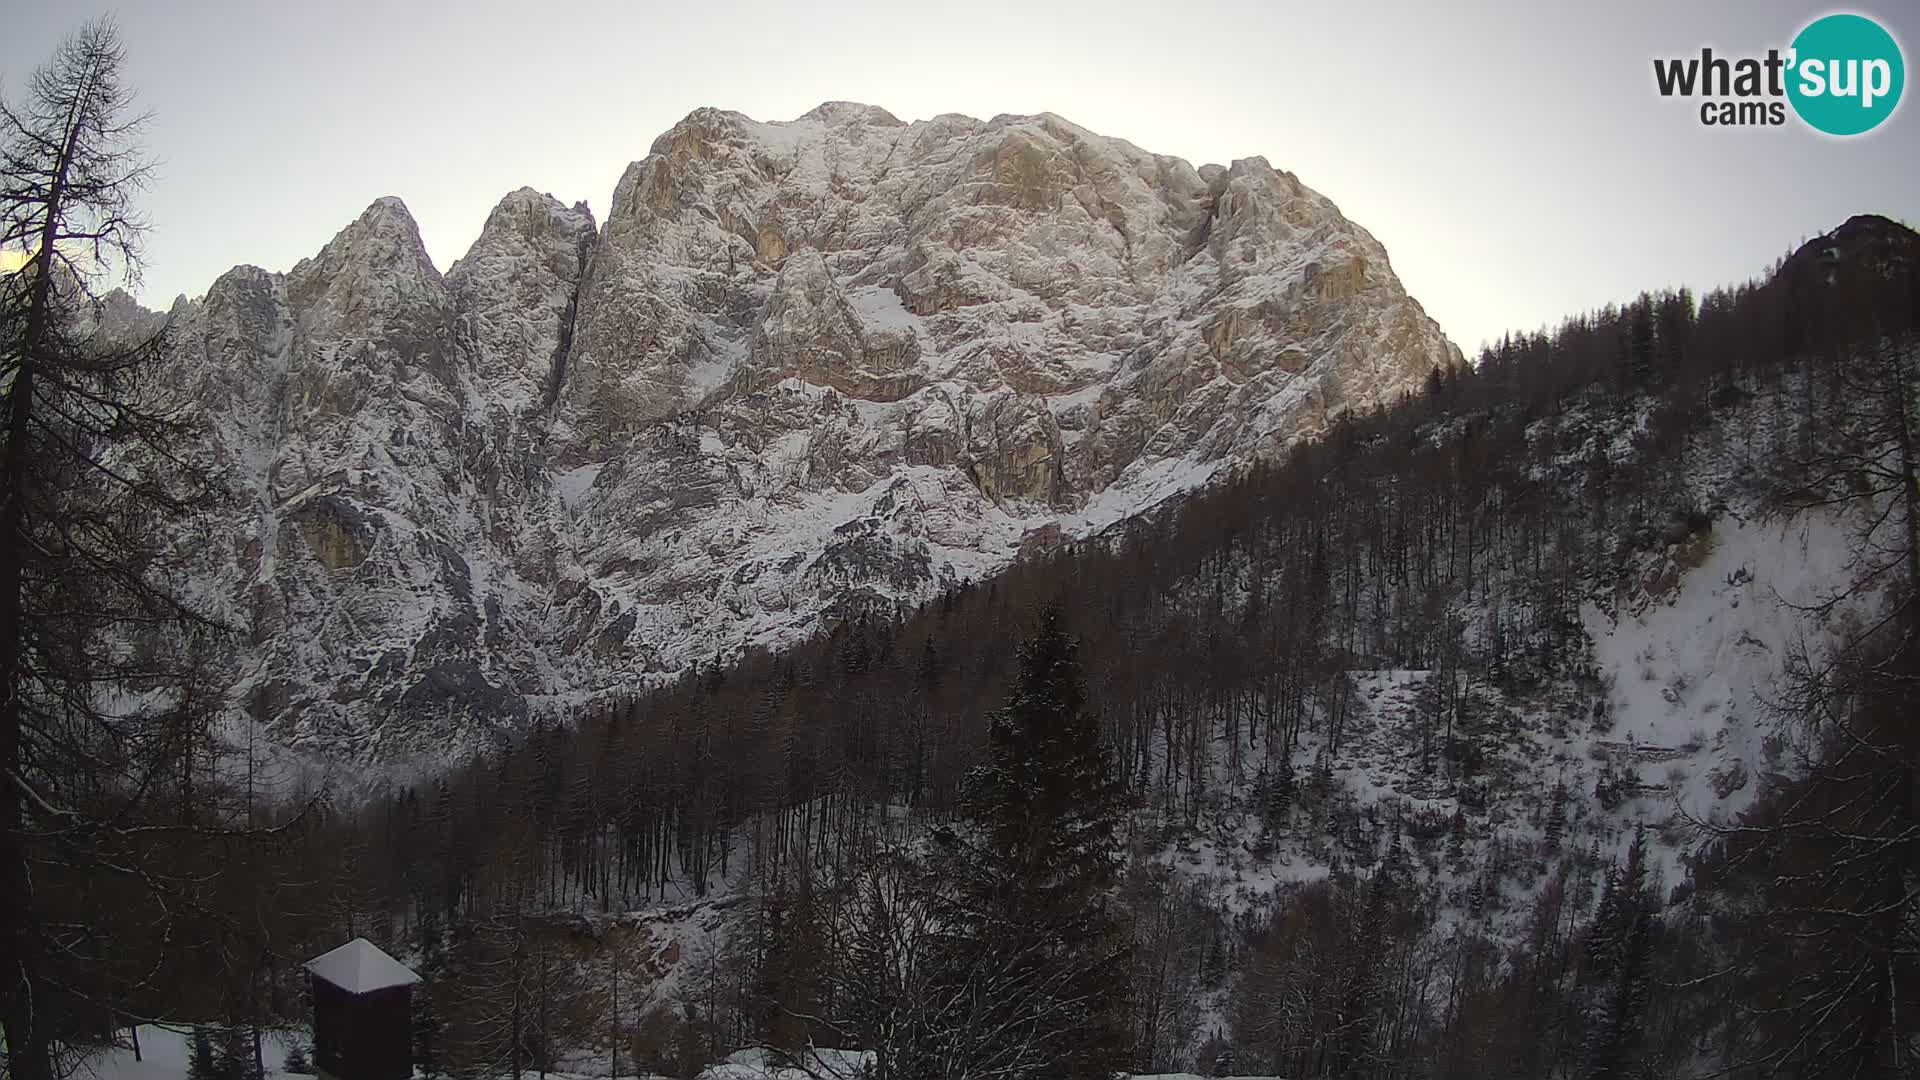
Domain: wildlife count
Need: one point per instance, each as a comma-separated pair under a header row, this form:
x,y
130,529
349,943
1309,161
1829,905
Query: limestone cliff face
x,y
803,367
515,292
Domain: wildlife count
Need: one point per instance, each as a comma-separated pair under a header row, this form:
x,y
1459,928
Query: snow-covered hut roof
x,y
360,967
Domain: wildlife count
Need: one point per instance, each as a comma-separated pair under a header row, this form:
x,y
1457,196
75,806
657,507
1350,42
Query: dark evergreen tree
x,y
1640,342
1360,1005
789,987
929,670
200,1060
1556,829
1280,796
1674,328
428,1059
233,1055
1626,1004
1618,950
1034,878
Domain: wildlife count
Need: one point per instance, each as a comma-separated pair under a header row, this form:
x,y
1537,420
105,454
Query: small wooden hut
x,y
362,1014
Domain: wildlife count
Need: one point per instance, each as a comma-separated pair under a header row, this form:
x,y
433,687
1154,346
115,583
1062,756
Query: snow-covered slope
x,y
804,366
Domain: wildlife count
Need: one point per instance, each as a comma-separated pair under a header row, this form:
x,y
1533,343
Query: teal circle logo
x,y
1846,74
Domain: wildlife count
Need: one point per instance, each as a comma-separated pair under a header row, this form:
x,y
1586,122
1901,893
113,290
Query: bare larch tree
x,y
96,647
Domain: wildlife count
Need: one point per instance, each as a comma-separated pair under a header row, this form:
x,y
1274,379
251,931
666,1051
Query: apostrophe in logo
x,y
1847,74
1843,75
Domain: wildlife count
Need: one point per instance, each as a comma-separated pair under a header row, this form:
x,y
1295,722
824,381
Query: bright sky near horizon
x,y
1514,157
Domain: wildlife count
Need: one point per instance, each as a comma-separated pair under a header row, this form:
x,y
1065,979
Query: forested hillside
x,y
1552,722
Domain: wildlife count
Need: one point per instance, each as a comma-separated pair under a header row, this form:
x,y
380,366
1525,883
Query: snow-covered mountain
x,y
804,366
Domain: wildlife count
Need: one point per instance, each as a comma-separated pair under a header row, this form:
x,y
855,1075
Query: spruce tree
x,y
1557,818
1619,947
1637,344
1280,795
427,1027
200,1062
1033,879
233,1056
1364,997
791,972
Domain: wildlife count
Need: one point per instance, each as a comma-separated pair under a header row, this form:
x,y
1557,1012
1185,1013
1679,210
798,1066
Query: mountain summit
x,y
821,365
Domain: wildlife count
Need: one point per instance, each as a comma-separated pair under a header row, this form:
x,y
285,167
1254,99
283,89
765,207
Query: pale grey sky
x,y
1513,157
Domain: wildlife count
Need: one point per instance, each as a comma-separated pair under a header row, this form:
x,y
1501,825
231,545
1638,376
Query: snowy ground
x,y
164,1050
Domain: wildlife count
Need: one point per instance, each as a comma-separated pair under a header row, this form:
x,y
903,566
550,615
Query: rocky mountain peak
x,y
528,216
805,367
515,291
384,241
373,285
